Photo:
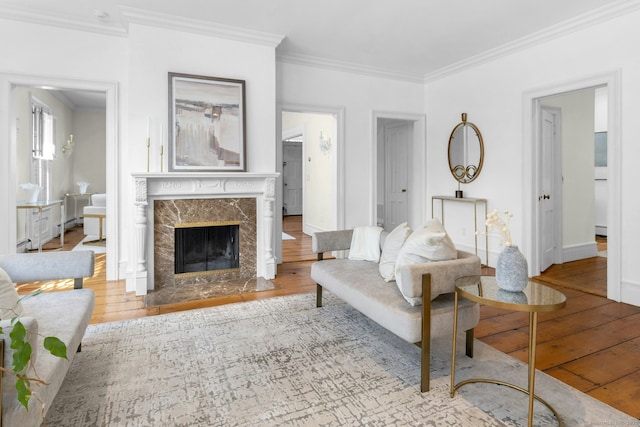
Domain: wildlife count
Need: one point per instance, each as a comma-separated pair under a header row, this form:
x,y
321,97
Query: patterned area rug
x,y
282,361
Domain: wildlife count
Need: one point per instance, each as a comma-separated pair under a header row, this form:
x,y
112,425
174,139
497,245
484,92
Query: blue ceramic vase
x,y
512,272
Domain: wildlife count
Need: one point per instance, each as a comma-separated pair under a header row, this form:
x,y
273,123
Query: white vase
x,y
512,272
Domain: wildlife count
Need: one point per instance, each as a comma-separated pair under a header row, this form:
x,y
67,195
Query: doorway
x,y
11,128
394,142
576,194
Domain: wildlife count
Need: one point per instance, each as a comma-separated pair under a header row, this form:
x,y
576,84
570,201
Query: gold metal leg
x,y
533,323
452,390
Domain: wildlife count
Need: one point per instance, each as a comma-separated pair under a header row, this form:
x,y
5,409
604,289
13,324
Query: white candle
x,y
148,127
161,138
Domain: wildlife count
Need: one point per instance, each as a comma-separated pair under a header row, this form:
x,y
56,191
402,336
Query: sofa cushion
x,y
390,250
365,243
428,243
10,305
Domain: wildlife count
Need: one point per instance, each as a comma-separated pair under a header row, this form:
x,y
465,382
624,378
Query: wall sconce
x,y
325,144
67,149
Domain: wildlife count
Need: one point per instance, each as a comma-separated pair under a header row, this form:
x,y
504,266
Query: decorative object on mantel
x,y
148,141
512,271
206,124
466,153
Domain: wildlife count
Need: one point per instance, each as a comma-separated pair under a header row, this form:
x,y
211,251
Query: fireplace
x,y
206,248
164,200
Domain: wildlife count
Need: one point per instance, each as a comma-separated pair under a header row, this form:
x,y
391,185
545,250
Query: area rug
x,y
97,248
286,236
282,361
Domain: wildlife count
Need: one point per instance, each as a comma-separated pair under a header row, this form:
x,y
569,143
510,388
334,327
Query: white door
x,y
548,191
396,154
292,178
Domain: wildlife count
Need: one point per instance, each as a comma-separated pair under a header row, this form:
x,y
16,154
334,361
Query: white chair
x,y
95,215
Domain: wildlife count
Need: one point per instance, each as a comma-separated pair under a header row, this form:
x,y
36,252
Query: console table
x,y
75,197
533,299
475,202
40,205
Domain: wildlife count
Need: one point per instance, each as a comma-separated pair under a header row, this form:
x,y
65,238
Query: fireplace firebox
x,y
207,248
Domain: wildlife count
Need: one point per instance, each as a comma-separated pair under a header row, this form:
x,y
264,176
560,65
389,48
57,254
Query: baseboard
x,y
577,252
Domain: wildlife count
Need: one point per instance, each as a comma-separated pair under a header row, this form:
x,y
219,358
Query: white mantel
x,y
166,186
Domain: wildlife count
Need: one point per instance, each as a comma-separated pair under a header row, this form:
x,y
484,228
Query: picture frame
x,y
207,129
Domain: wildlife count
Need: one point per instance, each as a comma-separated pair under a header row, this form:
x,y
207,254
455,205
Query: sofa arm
x,y
25,268
31,326
327,241
443,275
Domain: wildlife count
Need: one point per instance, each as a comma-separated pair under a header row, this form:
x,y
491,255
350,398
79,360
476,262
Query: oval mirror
x,y
466,151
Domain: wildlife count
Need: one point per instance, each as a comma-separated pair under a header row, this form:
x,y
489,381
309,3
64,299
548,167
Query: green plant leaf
x,y
24,394
56,347
22,349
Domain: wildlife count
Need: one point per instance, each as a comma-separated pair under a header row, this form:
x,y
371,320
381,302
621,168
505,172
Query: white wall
x,y
89,151
493,95
360,96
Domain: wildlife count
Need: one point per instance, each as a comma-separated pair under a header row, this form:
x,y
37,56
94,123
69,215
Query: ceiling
x,y
412,38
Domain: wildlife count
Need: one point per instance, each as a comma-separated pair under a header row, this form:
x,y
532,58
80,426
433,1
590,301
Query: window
x,y
43,147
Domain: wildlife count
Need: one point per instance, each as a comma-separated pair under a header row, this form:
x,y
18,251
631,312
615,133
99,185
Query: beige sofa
x,y
63,314
360,284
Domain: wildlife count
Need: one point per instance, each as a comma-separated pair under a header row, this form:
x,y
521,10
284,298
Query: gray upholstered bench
x,y
360,284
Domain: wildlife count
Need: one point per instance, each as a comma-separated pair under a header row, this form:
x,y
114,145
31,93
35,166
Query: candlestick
x,y
161,146
148,151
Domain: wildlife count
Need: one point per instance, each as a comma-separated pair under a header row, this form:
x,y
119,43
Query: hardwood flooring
x,y
592,344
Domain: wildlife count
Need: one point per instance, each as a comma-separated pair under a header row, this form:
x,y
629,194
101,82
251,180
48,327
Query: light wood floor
x,y
593,344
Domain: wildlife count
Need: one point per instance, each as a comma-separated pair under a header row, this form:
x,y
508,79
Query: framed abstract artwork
x,y
206,124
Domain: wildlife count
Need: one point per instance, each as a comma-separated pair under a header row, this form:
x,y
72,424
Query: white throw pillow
x,y
390,250
10,305
365,243
428,243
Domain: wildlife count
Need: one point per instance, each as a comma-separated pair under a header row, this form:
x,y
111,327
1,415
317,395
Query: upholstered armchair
x,y
95,215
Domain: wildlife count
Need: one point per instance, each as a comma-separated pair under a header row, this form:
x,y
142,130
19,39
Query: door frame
x,y
8,156
531,171
417,176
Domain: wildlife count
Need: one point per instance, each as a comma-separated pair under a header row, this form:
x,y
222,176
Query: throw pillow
x,y
365,243
429,243
390,250
10,305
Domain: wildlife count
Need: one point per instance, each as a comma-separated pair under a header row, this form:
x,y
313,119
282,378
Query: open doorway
x,y
309,179
572,189
62,92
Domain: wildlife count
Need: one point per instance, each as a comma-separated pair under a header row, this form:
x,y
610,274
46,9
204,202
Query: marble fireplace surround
x,y
175,186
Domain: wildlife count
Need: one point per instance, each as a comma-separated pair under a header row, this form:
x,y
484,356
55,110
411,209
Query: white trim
x,y
8,156
612,81
349,67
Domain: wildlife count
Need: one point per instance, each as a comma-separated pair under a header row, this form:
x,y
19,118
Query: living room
x,y
498,89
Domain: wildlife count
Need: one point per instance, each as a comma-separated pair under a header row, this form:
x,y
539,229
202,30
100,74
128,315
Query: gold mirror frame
x,y
465,173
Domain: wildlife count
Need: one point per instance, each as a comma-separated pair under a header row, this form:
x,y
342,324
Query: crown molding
x,y
585,20
332,64
197,26
66,22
